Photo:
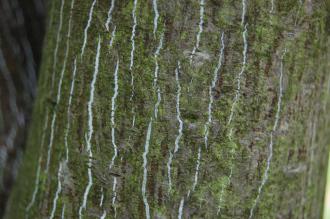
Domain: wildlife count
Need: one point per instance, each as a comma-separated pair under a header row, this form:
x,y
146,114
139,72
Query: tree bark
x,y
192,109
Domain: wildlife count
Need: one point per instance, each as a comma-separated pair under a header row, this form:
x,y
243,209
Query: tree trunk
x,y
22,31
188,109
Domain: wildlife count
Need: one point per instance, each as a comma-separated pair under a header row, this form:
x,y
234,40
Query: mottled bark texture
x,y
213,109
21,35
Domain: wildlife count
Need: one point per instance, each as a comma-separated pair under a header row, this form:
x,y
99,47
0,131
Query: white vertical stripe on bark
x,y
102,197
103,215
200,31
169,175
132,56
239,77
238,89
211,88
243,12
198,163
90,129
133,35
113,124
156,72
155,6
179,120
57,193
272,6
107,23
63,211
223,188
178,112
145,170
270,146
113,35
68,124
37,180
58,38
113,114
67,49
181,208
114,196
36,187
90,16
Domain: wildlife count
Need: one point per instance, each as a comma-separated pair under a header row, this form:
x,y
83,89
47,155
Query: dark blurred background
x,y
22,29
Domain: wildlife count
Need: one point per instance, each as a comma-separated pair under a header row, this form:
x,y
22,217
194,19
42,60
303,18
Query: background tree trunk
x,y
22,31
213,109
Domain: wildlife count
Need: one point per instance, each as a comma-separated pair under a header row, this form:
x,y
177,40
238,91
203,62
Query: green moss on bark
x,y
295,185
